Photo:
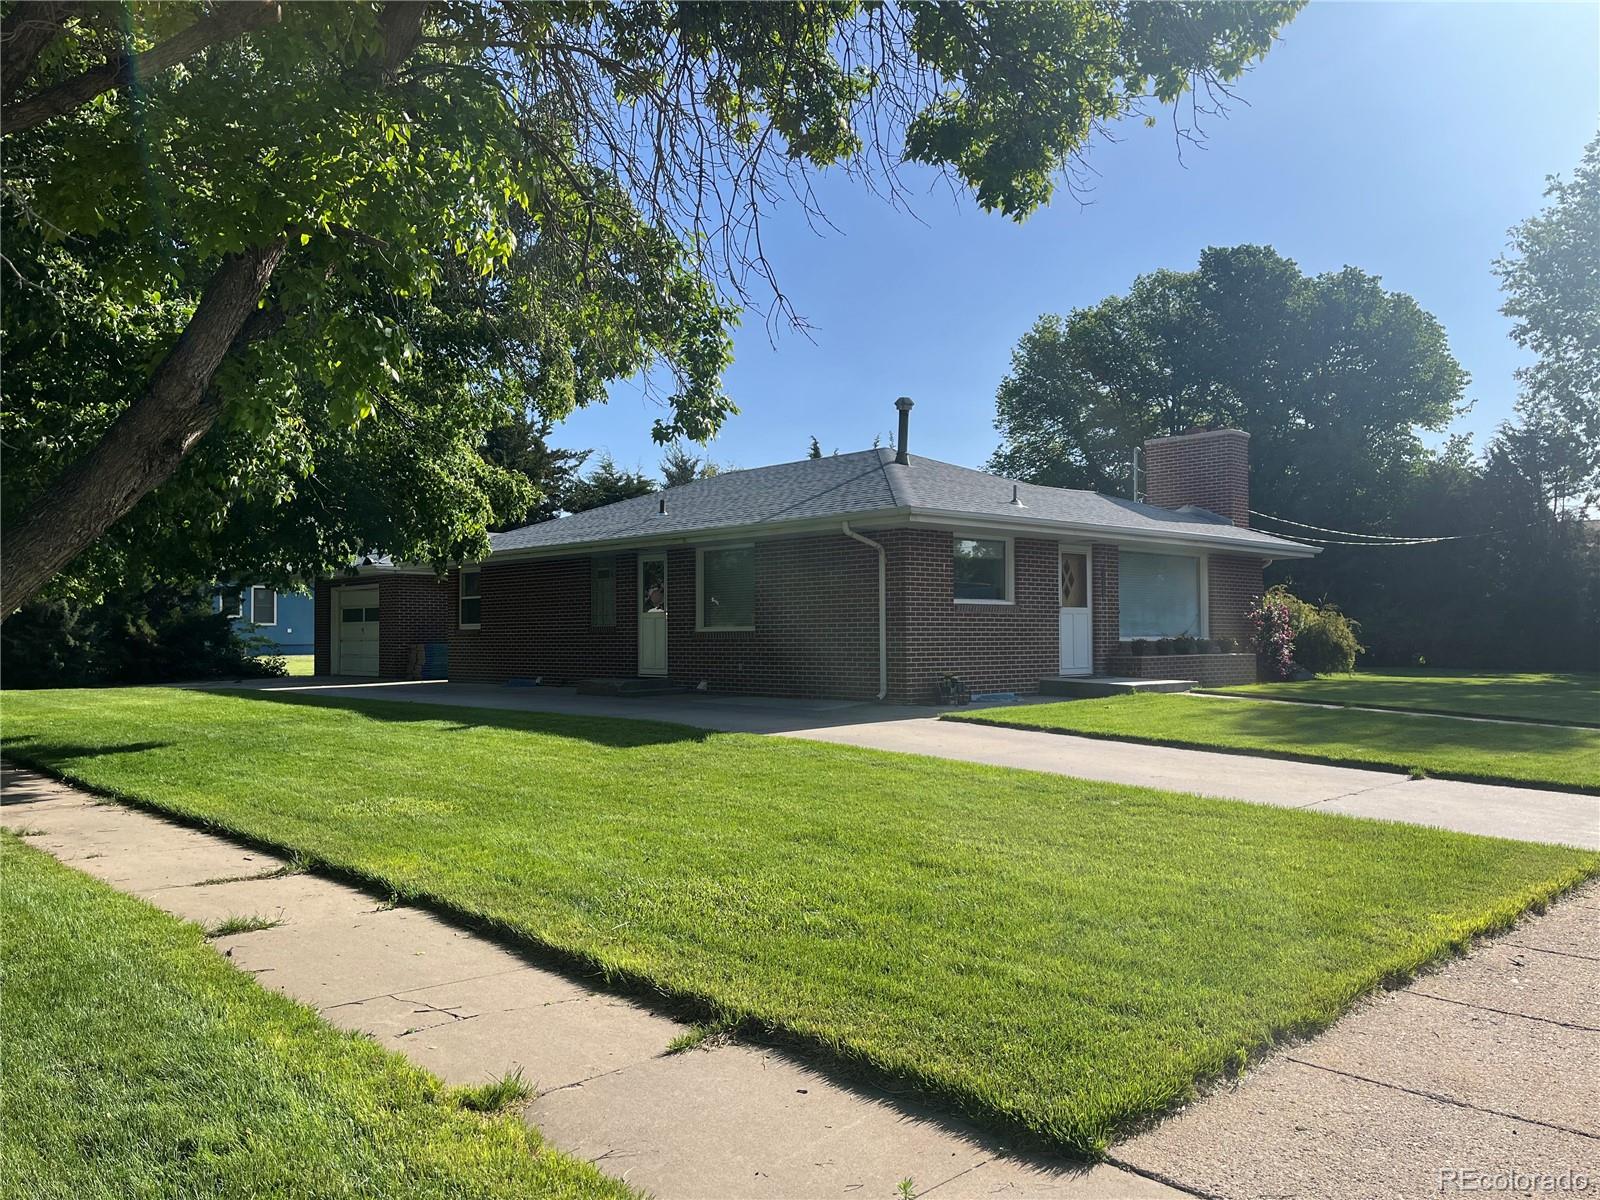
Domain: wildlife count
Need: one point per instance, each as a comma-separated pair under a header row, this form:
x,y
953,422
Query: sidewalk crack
x,y
1504,1012
1442,1099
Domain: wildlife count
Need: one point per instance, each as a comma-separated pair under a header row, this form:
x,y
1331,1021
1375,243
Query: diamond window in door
x,y
653,593
1074,580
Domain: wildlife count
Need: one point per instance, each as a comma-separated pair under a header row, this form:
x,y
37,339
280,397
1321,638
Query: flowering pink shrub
x,y
1273,623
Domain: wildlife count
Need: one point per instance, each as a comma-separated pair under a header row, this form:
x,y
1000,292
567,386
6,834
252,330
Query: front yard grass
x,y
139,1063
1057,955
1526,754
1563,699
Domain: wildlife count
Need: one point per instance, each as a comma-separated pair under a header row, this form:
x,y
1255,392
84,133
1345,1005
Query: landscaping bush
x,y
1139,648
1184,645
1291,631
1163,645
1327,643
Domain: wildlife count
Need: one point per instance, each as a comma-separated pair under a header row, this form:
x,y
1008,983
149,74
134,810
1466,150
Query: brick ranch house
x,y
856,576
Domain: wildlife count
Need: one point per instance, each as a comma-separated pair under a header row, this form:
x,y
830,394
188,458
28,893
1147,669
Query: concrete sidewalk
x,y
1489,1065
1526,814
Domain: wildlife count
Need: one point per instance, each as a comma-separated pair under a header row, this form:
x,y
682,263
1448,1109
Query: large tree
x,y
1332,376
264,205
1552,287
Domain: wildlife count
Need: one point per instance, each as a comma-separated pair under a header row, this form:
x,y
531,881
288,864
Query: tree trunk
x,y
145,444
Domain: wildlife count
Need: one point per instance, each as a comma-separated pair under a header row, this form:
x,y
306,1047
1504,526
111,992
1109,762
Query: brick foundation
x,y
1208,670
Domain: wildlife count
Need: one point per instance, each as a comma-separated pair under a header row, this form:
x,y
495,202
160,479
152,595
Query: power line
x,y
1376,539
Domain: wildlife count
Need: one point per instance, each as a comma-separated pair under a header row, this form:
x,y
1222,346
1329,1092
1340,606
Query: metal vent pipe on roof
x,y
900,455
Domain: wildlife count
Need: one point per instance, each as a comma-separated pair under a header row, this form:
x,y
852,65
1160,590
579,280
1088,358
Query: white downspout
x,y
883,608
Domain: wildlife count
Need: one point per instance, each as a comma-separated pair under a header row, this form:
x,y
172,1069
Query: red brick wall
x,y
990,647
1210,469
1232,583
413,610
536,624
816,626
321,611
1105,597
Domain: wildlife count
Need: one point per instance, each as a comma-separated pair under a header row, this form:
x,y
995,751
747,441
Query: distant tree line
x,y
1337,379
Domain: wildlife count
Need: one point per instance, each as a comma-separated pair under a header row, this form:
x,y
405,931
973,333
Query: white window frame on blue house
x,y
254,616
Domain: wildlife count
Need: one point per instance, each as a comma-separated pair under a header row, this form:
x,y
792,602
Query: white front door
x,y
653,614
1077,626
358,631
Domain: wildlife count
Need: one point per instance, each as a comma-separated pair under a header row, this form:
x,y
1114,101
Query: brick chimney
x,y
1209,468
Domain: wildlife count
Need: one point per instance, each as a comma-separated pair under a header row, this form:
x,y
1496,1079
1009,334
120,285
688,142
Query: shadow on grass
x,y
617,733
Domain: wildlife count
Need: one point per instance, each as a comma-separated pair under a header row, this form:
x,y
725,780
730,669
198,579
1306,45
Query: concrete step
x,y
636,686
1084,687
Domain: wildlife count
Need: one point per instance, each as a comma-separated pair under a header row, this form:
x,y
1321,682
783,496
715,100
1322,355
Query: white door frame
x,y
336,620
1088,592
640,615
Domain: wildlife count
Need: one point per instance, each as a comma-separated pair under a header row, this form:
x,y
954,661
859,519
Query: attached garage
x,y
412,640
355,631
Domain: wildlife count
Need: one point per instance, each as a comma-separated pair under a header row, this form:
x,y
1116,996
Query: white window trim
x,y
254,588
1010,601
461,594
237,606
700,588
1205,593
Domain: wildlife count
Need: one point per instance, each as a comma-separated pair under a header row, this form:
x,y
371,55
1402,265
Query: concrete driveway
x,y
1526,814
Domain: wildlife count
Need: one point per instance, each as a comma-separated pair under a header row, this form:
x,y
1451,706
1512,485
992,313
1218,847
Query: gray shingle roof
x,y
852,486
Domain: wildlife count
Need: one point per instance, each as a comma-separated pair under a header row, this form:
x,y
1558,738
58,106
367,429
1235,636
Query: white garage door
x,y
358,632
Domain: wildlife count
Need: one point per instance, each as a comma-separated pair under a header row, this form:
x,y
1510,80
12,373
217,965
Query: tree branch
x,y
28,31
224,23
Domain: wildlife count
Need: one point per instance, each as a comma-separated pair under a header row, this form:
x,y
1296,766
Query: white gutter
x,y
883,607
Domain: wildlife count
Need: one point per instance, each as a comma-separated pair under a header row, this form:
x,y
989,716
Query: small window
x,y
263,606
371,614
602,591
981,569
728,588
471,605
351,616
233,603
1074,579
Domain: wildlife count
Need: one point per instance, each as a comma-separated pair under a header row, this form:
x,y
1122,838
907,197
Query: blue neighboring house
x,y
283,621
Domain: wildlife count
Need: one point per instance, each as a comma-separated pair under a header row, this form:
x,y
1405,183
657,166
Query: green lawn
x,y
1569,699
1526,754
1060,955
138,1063
300,664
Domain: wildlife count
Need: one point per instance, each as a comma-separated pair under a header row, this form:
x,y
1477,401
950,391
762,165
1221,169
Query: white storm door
x,y
358,631
1077,625
652,614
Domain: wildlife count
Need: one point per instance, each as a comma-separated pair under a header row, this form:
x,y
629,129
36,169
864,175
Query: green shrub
x,y
1184,645
1325,639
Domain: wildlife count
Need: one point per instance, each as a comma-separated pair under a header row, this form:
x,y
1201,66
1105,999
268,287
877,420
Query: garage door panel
x,y
358,633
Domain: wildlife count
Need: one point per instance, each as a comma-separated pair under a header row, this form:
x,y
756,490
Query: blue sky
x,y
1403,139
